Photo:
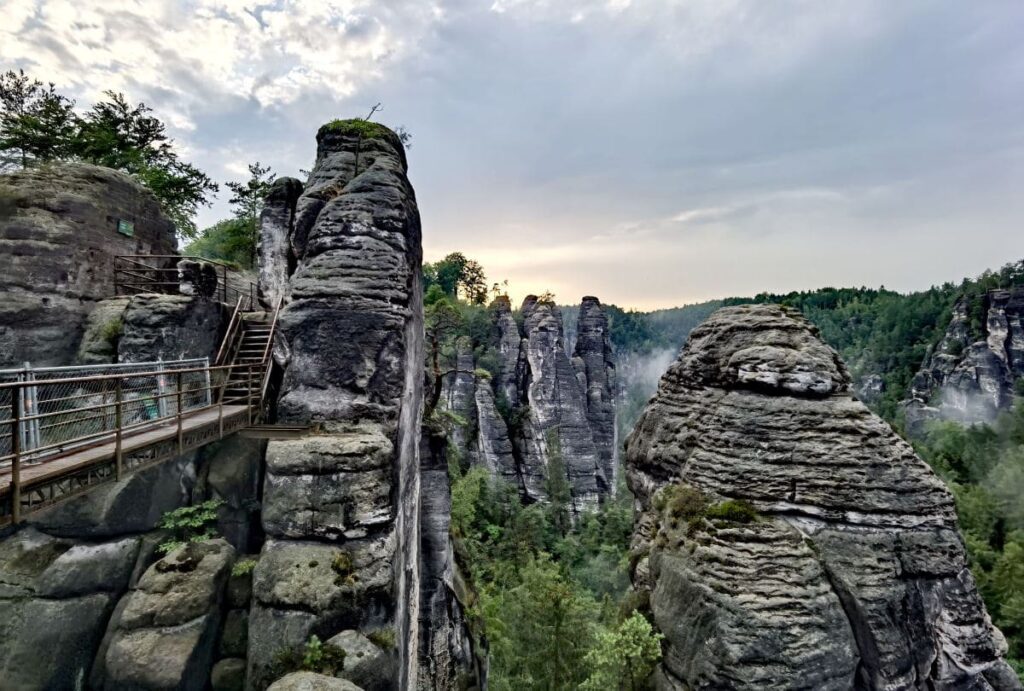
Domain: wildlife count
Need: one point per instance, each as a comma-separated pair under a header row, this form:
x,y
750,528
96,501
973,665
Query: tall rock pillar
x,y
595,366
341,507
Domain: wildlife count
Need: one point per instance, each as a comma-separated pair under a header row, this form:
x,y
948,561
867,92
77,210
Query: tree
x,y
473,282
247,198
625,658
37,124
227,241
118,135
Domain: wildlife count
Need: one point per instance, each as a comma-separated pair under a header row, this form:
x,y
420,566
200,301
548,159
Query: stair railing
x,y
268,360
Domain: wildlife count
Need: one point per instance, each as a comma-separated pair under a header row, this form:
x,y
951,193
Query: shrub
x,y
682,501
243,567
735,510
314,656
196,523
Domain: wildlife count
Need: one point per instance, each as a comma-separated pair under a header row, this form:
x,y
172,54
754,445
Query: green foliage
x,y
196,523
458,277
733,510
229,241
243,567
37,125
247,200
556,485
110,332
984,466
624,658
358,127
383,638
314,656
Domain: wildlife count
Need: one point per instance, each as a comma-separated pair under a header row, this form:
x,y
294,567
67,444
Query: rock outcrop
x,y
59,243
341,508
971,374
277,222
593,358
542,410
787,537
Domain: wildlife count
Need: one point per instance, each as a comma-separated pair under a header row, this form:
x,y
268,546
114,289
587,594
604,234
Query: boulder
x,y
59,239
310,681
786,533
228,675
170,327
103,329
366,665
164,634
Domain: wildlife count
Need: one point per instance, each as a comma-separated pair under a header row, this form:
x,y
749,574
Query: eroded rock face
x,y
845,570
341,508
594,360
59,237
970,377
164,633
170,327
277,221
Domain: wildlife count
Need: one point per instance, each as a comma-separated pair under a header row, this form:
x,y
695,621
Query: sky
x,y
650,153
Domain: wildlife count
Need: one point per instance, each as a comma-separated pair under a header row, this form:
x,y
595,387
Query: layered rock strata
x,y
542,410
341,508
972,373
59,233
787,537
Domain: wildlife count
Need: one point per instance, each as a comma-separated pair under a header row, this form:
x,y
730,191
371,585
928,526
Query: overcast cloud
x,y
650,153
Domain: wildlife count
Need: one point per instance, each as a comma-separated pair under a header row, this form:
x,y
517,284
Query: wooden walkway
x,y
60,475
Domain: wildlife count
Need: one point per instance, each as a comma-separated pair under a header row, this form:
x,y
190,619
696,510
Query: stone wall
x,y
59,245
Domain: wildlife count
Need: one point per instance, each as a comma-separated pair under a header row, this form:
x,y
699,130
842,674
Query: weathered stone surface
x,y
447,658
49,644
310,681
133,505
969,377
329,486
366,665
558,427
59,246
90,568
170,327
164,634
352,335
230,472
228,675
277,221
103,329
494,447
511,357
458,396
851,521
234,637
594,360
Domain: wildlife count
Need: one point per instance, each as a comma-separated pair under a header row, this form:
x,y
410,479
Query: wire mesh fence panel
x,y
61,407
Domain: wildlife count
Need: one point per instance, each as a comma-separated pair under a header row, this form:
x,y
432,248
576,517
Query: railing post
x,y
209,386
180,437
248,393
161,390
118,420
220,412
16,449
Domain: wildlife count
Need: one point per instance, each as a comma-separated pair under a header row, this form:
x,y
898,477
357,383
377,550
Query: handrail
x,y
267,363
154,273
232,325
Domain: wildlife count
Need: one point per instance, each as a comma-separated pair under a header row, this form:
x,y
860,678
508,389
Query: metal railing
x,y
92,410
158,273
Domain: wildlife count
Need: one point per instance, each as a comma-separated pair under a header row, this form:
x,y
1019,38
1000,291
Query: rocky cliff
x,y
341,508
787,537
971,374
542,410
59,234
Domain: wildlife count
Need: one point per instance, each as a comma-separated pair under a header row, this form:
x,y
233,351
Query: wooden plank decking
x,y
75,461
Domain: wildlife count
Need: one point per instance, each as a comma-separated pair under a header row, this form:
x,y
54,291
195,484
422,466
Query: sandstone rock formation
x,y
59,245
787,537
970,376
341,509
544,411
594,361
277,222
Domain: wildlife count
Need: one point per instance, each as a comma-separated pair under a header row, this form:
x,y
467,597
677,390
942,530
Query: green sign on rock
x,y
125,227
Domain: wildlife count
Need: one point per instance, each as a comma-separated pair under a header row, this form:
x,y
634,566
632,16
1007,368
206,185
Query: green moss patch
x,y
358,127
734,510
